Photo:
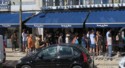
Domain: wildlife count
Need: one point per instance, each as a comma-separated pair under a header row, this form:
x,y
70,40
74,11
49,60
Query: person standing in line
x,y
30,43
37,42
14,41
42,42
60,40
109,43
93,42
98,43
88,40
83,41
75,40
24,40
67,38
5,39
27,50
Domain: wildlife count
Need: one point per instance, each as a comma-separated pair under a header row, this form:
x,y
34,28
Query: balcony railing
x,y
77,4
5,5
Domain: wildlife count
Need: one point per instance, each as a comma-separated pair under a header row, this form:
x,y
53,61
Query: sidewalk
x,y
13,55
12,58
99,61
105,62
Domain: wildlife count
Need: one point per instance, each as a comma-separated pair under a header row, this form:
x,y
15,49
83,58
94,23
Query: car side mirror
x,y
41,57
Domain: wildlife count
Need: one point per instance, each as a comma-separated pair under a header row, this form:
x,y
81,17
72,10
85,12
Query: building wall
x,y
4,5
26,5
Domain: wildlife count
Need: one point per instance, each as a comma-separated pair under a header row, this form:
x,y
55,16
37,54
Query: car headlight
x,y
19,61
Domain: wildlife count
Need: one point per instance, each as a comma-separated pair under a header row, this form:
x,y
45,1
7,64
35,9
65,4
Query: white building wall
x,y
26,5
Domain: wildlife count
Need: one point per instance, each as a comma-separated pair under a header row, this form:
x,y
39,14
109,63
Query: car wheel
x,y
77,66
26,66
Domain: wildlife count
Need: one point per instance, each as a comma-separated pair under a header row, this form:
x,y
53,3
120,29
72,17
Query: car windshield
x,y
32,53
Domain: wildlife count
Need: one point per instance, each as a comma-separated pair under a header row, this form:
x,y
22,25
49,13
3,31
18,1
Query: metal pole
x,y
93,55
20,26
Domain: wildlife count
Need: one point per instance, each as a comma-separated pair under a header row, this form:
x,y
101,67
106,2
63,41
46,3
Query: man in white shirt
x,y
109,42
24,40
92,42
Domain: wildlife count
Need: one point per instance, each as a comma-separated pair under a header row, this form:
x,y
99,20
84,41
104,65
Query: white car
x,y
122,63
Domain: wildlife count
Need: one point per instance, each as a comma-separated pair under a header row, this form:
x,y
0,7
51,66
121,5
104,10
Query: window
x,y
65,51
97,1
56,2
48,52
76,2
76,52
50,3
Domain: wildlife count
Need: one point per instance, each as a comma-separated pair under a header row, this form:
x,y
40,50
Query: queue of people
x,y
91,40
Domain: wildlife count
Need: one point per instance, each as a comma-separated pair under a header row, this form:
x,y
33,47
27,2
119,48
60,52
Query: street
x,y
12,58
99,61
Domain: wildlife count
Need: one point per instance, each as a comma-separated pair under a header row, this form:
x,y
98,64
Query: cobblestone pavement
x,y
104,62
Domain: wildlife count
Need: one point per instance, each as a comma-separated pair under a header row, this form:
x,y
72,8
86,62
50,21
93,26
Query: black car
x,y
57,56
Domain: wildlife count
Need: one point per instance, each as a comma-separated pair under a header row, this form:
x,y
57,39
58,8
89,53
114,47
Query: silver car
x,y
122,63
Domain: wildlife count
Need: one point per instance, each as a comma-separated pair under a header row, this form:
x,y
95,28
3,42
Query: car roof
x,y
67,45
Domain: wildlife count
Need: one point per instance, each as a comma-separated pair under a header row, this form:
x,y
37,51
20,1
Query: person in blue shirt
x,y
83,41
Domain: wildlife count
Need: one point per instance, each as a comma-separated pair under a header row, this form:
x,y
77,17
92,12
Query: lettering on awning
x,y
6,25
38,25
102,25
66,26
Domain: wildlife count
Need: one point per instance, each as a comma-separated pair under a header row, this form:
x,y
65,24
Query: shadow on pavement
x,y
9,64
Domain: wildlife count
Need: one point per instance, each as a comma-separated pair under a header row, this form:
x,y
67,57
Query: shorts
x,y
92,46
25,43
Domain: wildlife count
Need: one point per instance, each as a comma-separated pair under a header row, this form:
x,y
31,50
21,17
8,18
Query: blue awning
x,y
12,19
58,20
106,19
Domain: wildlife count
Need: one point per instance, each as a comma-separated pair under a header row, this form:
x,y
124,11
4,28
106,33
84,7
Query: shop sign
x,y
102,25
66,26
38,25
6,25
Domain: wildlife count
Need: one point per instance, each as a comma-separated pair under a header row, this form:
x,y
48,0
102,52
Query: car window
x,y
65,51
48,52
76,52
84,50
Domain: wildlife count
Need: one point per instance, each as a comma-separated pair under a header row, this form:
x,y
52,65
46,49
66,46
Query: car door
x,y
64,57
46,58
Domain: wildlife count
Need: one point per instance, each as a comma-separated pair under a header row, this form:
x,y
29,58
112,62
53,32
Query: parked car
x,y
57,56
122,63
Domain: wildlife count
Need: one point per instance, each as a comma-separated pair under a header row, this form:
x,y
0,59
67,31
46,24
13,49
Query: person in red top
x,y
30,43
